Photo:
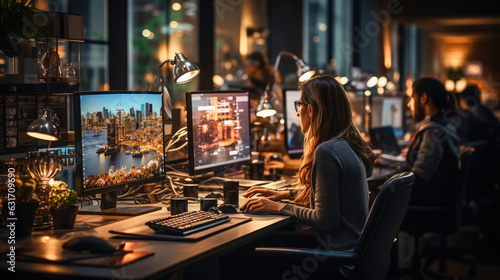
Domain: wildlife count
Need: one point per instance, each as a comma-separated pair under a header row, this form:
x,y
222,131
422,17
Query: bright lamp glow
x,y
184,70
460,85
391,86
382,81
306,76
267,109
372,82
186,77
449,85
343,81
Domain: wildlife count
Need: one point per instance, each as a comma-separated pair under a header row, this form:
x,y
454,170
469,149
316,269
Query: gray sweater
x,y
339,195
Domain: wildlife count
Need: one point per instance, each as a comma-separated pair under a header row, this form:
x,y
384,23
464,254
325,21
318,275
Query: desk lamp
x,y
184,71
43,166
304,71
43,128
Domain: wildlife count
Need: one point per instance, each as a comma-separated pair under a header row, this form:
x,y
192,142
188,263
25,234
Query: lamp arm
x,y
167,101
275,68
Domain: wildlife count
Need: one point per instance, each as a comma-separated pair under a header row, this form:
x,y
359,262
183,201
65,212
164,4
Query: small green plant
x,y
25,186
60,196
17,22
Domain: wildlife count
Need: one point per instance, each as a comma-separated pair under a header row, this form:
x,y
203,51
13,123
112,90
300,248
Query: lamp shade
x,y
266,110
43,128
304,71
184,70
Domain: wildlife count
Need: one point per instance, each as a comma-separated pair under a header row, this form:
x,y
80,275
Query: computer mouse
x,y
91,244
228,208
214,195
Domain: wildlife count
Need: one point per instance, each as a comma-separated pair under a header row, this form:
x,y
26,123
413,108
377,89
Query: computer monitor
x,y
388,111
218,130
384,138
119,140
294,138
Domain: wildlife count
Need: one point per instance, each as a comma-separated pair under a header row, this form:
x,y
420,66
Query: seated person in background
x,y
333,198
478,122
433,153
258,70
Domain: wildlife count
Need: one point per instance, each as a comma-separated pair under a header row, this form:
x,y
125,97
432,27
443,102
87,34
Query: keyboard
x,y
279,185
187,222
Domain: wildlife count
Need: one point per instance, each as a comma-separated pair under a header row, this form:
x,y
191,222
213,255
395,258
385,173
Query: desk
x,y
169,257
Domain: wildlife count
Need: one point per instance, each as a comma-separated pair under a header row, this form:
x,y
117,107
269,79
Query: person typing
x,y
333,192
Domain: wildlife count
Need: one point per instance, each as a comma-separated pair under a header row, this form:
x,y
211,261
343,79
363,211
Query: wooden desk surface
x,y
169,257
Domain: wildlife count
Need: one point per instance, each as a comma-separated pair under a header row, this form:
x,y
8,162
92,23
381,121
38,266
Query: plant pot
x,y
24,213
64,218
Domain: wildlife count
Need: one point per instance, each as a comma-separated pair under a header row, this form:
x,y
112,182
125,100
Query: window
x,y
94,69
157,30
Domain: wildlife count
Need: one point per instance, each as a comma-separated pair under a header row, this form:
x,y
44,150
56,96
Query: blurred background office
x,y
375,48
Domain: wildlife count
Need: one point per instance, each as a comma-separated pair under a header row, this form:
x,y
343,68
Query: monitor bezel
x,y
189,113
79,184
295,153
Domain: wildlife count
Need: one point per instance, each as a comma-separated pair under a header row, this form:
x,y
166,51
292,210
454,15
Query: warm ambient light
x,y
391,86
176,6
372,82
382,81
449,85
174,24
218,80
460,85
343,81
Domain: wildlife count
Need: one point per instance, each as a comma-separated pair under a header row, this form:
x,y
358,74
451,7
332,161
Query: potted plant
x,y
62,205
17,23
21,208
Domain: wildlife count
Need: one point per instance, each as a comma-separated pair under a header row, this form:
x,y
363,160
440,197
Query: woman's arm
x,y
326,175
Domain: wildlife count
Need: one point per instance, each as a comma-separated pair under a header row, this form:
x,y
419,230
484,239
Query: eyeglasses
x,y
298,104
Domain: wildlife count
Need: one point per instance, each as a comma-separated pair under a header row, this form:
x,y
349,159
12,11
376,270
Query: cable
x,y
130,191
178,148
176,138
172,185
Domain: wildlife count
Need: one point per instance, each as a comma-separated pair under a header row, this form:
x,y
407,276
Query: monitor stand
x,y
108,207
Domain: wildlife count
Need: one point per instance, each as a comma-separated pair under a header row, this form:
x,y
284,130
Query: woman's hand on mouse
x,y
272,195
263,205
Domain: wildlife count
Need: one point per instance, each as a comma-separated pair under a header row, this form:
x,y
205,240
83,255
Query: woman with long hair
x,y
333,194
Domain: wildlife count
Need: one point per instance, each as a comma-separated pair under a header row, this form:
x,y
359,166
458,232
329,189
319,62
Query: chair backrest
x,y
381,227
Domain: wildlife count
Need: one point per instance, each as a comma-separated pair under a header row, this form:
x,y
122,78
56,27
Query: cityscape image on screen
x,y
219,124
122,138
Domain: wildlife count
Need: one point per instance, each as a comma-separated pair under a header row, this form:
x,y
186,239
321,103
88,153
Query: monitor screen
x,y
118,140
294,138
384,138
388,111
218,130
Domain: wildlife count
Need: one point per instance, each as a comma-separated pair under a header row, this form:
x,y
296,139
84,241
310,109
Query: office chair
x,y
371,255
442,220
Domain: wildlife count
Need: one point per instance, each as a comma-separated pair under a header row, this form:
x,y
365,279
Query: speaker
x,y
177,117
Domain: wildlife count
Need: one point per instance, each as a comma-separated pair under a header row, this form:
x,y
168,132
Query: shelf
x,y
37,89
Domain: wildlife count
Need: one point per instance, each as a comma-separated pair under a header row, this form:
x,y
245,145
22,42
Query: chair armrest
x,y
337,257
